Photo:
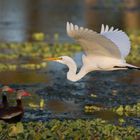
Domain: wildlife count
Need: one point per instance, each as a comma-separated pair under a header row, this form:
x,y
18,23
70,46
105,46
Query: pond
x,y
64,99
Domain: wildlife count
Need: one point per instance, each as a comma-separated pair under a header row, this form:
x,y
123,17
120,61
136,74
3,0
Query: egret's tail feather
x,y
137,68
128,67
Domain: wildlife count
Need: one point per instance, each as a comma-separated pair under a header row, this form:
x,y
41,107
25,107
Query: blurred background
x,y
19,19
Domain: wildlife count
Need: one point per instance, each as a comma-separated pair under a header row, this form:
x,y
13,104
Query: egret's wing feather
x,y
92,42
119,38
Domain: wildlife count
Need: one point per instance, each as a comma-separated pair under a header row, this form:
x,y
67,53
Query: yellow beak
x,y
52,59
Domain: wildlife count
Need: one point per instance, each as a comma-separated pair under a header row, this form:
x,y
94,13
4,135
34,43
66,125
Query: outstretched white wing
x,y
93,43
118,37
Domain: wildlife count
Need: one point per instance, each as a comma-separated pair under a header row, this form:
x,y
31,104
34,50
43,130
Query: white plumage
x,y
104,51
118,37
92,42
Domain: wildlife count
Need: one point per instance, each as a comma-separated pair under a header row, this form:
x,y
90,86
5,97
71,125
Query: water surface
x,y
20,19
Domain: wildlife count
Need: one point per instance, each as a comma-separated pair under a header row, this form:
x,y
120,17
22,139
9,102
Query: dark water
x,y
20,19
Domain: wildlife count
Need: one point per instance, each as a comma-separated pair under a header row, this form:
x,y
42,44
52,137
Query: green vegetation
x,y
127,110
135,51
122,110
92,108
67,129
29,55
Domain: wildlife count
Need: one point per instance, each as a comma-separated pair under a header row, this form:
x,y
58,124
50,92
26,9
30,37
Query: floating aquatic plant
x,y
92,108
38,36
29,55
127,109
68,129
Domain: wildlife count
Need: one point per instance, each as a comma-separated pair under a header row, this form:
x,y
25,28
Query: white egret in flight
x,y
104,51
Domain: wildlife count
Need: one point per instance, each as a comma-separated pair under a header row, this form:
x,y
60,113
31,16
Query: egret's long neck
x,y
71,75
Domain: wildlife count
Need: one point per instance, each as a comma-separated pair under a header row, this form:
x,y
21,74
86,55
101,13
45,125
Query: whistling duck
x,y
15,113
4,90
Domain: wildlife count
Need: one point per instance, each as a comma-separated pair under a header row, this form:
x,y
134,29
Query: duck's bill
x,y
52,59
25,93
11,90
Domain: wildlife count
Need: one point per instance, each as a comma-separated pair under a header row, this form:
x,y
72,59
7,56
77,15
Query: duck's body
x,y
14,113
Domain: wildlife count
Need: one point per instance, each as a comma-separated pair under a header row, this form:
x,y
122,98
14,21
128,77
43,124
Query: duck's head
x,y
21,93
7,89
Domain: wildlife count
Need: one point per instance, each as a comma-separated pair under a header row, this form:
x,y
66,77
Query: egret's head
x,y
61,59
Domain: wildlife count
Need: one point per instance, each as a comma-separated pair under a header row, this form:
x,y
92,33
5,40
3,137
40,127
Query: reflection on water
x,y
132,78
105,115
19,19
22,77
58,106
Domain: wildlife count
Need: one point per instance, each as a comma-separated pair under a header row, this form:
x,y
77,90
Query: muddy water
x,y
22,76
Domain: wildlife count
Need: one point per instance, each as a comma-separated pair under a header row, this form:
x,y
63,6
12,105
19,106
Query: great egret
x,y
104,51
